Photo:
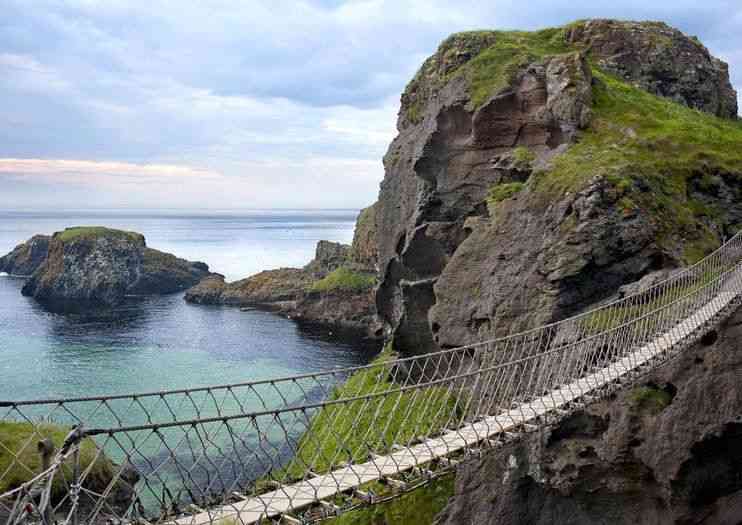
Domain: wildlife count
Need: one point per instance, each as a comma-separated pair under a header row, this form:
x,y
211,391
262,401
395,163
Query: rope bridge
x,y
303,448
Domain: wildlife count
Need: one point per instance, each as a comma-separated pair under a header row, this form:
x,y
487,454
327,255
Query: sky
x,y
242,104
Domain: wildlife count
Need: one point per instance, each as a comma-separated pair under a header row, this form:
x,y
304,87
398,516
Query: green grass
x,y
500,192
19,440
488,60
344,280
636,136
614,316
650,398
494,68
349,431
94,232
523,157
503,191
418,507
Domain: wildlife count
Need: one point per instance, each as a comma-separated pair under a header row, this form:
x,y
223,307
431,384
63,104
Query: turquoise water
x,y
162,343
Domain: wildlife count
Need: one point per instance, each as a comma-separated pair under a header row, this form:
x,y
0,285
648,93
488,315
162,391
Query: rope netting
x,y
306,447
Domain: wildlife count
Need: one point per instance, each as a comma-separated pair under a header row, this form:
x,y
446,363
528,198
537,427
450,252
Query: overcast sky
x,y
242,104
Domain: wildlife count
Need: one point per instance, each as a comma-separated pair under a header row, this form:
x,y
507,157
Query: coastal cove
x,y
162,342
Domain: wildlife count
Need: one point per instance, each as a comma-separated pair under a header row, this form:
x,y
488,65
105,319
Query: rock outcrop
x,y
336,288
26,258
92,266
661,60
667,450
364,251
521,187
267,288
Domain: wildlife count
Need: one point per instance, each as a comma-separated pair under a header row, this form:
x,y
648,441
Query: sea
x,y
161,343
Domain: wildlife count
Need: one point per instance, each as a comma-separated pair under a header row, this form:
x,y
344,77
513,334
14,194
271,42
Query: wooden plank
x,y
290,497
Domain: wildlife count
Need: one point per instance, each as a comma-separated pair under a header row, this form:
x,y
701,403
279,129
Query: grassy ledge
x,y
650,399
650,148
94,232
497,57
344,280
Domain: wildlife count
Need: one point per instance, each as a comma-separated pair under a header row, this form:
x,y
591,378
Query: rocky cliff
x,y
26,258
335,288
93,266
667,450
534,174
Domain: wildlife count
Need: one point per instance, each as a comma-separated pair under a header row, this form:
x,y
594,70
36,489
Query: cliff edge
x,y
536,173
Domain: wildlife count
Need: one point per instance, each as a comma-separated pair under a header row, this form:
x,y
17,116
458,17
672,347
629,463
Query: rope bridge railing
x,y
306,447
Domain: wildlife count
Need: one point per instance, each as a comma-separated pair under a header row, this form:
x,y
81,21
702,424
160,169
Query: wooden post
x,y
46,449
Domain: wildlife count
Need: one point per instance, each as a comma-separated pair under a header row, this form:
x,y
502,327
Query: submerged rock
x,y
26,258
95,266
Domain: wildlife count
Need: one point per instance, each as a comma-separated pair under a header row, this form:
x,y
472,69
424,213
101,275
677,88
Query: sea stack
x,y
97,266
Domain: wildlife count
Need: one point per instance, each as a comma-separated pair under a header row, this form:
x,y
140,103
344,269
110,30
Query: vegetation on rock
x,y
344,280
418,507
343,432
501,192
650,398
20,460
649,148
94,232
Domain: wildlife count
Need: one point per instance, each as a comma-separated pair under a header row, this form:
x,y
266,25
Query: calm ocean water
x,y
162,342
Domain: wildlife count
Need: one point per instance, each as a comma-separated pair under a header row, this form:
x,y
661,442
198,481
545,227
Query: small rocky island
x,y
336,288
97,267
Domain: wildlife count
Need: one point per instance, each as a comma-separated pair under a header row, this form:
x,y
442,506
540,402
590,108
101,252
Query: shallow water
x,y
162,342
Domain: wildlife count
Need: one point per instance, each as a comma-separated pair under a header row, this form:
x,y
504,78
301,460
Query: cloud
x,y
91,172
285,102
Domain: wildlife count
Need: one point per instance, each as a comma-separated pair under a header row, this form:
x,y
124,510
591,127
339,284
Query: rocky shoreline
x,y
84,268
335,289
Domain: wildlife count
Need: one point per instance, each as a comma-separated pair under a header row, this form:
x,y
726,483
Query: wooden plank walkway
x,y
296,496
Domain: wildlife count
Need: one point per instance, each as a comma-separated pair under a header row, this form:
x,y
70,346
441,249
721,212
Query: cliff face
x,y
99,266
27,257
665,451
526,184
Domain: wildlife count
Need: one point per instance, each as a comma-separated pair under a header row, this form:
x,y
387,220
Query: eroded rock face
x,y
363,250
27,257
328,256
439,173
453,268
103,267
661,60
665,451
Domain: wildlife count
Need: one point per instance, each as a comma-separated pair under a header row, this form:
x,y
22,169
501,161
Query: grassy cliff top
x,y
486,59
94,232
650,149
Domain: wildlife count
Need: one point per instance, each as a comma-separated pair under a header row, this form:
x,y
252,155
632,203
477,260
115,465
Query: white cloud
x,y
262,102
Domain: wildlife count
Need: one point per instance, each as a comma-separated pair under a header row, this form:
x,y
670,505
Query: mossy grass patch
x,y
20,460
344,280
95,232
